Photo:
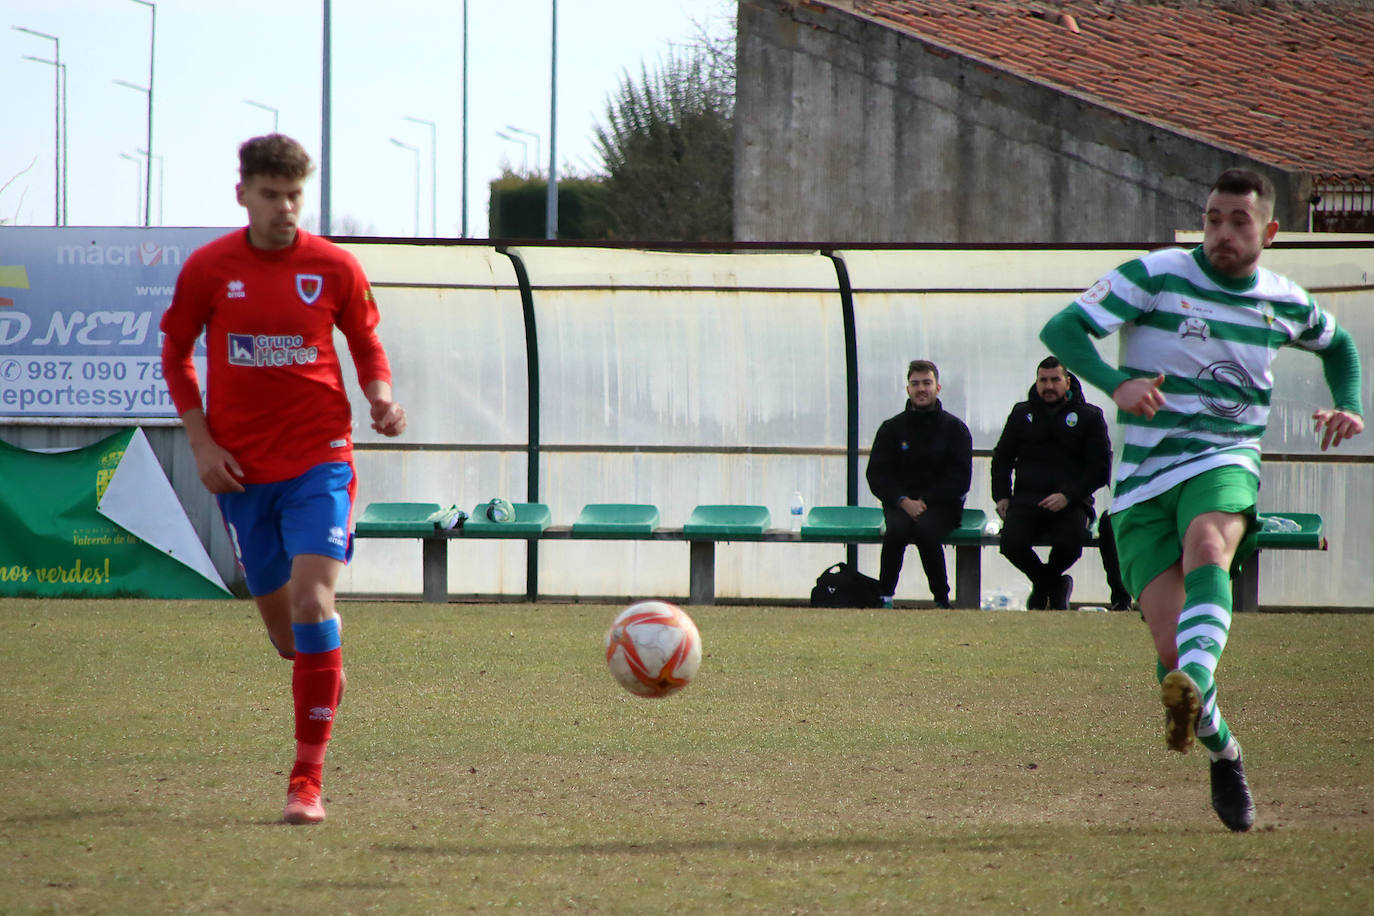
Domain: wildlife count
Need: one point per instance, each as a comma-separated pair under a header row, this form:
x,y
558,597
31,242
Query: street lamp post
x,y
528,133
433,173
138,187
416,151
149,177
59,162
465,118
59,117
264,108
326,116
152,48
524,151
161,174
551,200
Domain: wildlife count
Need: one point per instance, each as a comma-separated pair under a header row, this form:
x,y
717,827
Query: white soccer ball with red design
x,y
653,648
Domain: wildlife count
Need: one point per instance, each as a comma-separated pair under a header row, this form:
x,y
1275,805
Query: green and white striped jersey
x,y
1214,339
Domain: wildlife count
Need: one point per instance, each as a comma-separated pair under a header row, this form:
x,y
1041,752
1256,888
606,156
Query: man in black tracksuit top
x,y
1058,446
920,469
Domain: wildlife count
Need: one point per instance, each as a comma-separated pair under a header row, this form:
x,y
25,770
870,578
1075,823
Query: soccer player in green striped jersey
x,y
1200,329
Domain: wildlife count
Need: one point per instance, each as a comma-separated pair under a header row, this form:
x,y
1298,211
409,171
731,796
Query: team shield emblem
x,y
309,287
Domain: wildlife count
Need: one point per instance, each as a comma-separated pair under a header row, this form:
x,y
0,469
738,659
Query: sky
x,y
391,61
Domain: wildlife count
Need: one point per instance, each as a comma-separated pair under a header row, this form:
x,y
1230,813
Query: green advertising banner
x,y
100,521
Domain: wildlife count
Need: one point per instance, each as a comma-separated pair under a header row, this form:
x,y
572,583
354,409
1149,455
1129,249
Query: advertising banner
x,y
99,521
79,313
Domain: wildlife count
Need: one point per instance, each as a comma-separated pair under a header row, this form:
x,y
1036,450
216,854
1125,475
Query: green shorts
x,y
1149,535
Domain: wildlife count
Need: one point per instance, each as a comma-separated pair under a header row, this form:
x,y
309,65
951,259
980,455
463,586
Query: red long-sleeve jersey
x,y
275,391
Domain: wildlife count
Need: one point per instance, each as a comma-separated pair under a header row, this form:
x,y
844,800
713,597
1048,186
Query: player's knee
x,y
1209,552
312,607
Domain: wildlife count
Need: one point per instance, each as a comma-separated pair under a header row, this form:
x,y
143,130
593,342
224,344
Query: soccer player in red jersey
x,y
273,441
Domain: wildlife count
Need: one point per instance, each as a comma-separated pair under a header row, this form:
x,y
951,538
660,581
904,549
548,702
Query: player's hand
x,y
1001,507
913,507
1140,396
1054,502
217,468
1335,426
388,417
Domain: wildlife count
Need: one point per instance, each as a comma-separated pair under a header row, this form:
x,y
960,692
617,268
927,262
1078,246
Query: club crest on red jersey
x,y
309,287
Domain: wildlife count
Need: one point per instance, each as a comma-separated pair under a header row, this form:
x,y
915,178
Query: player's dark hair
x,y
922,366
1246,181
1050,362
274,154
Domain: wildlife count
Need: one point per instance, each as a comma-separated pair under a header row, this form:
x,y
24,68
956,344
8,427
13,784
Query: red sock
x,y
315,678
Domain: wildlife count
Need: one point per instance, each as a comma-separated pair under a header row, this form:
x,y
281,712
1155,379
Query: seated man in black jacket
x,y
920,469
1057,445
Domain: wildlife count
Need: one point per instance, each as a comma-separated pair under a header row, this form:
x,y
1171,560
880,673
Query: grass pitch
x,y
824,762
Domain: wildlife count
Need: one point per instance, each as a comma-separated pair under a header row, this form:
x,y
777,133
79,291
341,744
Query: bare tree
x,y
4,187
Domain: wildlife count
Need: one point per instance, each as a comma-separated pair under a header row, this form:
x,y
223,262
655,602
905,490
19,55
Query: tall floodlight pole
x,y
465,118
152,48
59,92
161,176
433,174
551,202
63,68
325,123
138,187
264,108
416,151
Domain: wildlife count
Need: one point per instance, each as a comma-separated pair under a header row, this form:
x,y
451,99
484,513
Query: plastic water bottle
x,y
1000,600
798,508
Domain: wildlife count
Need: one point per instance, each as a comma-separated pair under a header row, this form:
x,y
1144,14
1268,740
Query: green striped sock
x,y
1212,729
1204,623
1203,627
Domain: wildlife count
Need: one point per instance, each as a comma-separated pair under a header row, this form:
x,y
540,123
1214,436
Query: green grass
x,y
823,762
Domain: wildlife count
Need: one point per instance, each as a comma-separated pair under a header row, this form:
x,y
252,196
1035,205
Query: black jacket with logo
x,y
921,454
1053,448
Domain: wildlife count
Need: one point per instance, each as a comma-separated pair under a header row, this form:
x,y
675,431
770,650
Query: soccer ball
x,y
653,648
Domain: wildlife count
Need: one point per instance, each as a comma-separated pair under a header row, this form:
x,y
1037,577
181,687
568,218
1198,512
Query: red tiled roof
x,y
1286,82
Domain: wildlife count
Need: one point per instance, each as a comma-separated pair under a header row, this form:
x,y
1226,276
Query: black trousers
x,y
1111,565
926,533
1063,530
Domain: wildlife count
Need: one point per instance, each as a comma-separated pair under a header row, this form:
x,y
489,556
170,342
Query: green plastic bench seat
x,y
1306,536
970,530
531,519
398,519
727,523
615,520
847,524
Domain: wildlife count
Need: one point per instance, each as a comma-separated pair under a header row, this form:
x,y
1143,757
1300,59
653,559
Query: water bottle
x,y
1000,600
797,508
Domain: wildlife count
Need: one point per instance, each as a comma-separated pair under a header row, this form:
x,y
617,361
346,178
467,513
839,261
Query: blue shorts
x,y
271,523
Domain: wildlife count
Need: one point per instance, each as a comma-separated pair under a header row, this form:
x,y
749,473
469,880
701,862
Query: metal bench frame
x,y
712,524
